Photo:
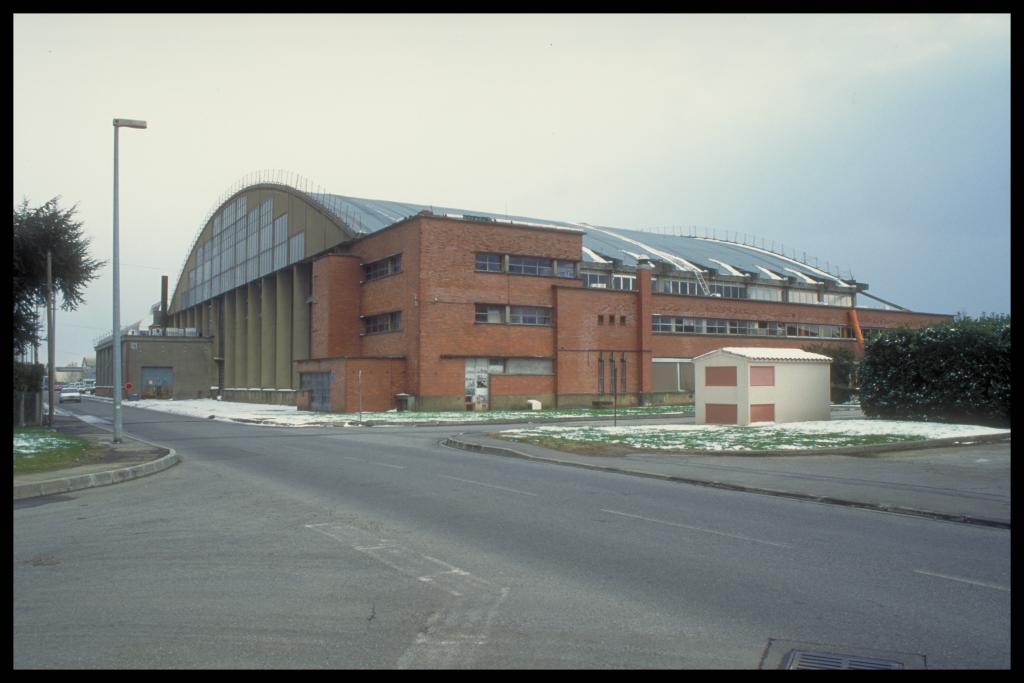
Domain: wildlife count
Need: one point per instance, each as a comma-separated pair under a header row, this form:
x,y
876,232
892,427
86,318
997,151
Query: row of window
x,y
245,245
692,288
513,315
504,314
489,262
761,328
247,269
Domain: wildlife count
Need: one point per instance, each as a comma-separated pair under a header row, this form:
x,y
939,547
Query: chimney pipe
x,y
163,301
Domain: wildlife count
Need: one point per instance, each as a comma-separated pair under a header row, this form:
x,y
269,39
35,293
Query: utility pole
x,y
51,348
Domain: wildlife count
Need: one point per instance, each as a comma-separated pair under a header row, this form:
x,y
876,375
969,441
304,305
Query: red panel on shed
x,y
720,376
762,412
762,375
720,413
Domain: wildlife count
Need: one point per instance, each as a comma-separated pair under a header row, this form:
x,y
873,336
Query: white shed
x,y
740,385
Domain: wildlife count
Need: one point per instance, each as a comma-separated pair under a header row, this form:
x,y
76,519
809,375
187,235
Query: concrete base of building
x,y
521,402
283,397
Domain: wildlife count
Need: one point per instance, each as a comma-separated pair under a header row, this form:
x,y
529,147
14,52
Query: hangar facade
x,y
342,304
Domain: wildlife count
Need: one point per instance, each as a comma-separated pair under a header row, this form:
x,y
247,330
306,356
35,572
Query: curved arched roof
x,y
601,243
345,218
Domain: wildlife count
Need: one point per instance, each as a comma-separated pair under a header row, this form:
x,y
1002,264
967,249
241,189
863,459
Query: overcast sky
x,y
880,144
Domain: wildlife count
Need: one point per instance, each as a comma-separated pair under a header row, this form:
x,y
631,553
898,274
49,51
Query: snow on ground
x,y
35,442
769,435
718,436
289,416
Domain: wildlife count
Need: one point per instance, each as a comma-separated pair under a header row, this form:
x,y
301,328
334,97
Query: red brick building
x,y
341,304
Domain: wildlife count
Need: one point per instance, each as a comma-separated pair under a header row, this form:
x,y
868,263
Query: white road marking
x,y
983,584
374,462
451,635
490,486
697,528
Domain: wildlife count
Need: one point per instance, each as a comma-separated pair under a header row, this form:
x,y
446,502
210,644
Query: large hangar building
x,y
340,304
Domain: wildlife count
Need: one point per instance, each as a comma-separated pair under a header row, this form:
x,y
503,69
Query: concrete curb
x,y
85,481
510,452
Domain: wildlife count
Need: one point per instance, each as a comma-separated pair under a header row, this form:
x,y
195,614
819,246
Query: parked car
x,y
70,393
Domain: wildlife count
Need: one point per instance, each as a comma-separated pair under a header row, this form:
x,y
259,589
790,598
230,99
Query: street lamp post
x,y
118,123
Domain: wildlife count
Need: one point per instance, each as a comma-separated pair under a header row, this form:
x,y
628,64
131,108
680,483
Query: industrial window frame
x,y
385,267
382,323
531,265
487,262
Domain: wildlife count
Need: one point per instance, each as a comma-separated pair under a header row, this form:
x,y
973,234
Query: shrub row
x,y
957,371
28,376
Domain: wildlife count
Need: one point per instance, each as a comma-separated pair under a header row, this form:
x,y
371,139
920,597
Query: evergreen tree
x,y
38,230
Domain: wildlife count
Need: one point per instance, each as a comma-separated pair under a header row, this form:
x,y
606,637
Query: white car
x,y
68,394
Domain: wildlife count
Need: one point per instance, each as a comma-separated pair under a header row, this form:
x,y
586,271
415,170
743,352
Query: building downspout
x,y
855,323
644,331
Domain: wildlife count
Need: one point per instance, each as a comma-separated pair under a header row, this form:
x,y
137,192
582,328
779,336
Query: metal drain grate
x,y
803,659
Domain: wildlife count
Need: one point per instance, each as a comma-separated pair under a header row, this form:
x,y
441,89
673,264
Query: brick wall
x,y
334,315
438,289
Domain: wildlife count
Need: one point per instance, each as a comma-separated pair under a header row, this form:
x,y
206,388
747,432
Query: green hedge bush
x,y
951,372
28,376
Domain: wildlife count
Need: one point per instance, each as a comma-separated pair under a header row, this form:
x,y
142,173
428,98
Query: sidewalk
x,y
130,459
965,483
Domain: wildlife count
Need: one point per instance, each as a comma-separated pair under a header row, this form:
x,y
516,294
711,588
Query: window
x,y
385,322
489,263
760,328
513,315
769,328
803,296
383,267
566,269
530,265
729,291
715,326
490,313
738,327
596,280
296,247
600,373
600,320
673,286
622,321
624,282
529,315
281,229
280,255
622,372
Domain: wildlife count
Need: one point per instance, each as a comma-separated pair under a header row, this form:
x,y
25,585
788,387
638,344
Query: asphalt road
x,y
378,548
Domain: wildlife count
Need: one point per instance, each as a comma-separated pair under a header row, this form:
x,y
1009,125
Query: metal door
x,y
478,372
319,383
157,383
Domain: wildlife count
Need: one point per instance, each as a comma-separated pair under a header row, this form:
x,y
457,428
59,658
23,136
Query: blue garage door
x,y
157,383
320,385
